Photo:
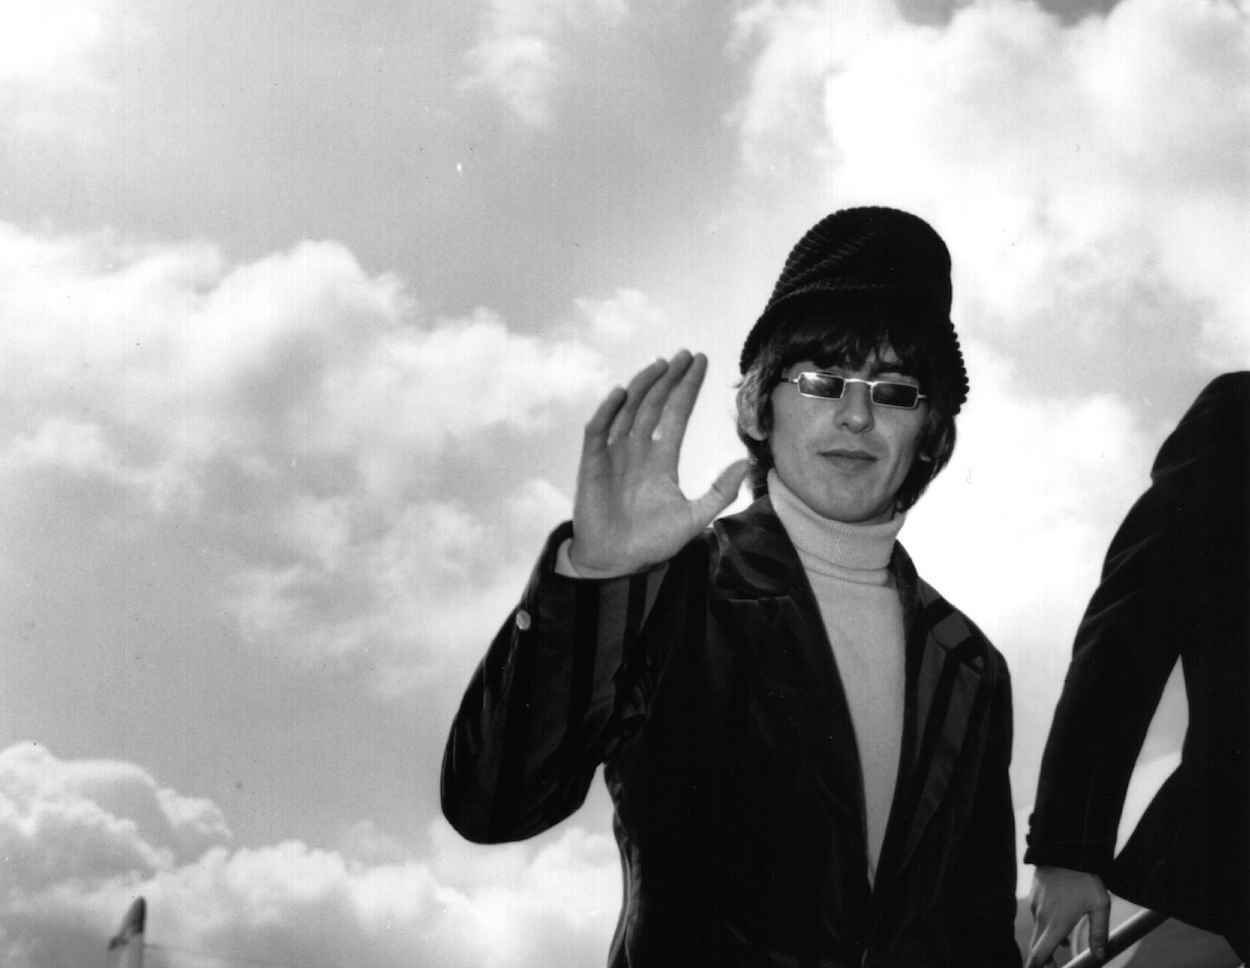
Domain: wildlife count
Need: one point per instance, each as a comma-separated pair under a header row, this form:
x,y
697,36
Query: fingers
x,y
1099,917
666,393
1049,934
1061,899
1038,956
1051,940
1079,939
597,426
671,429
639,388
721,494
1042,950
659,399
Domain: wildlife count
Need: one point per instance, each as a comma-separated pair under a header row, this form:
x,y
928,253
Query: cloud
x,y
792,48
522,53
294,904
626,315
297,355
93,821
299,421
1075,168
413,600
59,65
82,838
51,42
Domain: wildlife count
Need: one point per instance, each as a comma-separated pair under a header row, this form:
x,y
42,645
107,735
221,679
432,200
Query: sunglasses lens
x,y
821,385
895,395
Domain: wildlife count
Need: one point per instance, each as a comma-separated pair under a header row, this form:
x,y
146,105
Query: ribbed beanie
x,y
872,251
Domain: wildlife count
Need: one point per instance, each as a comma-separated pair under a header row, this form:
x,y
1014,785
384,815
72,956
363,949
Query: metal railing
x,y
1128,933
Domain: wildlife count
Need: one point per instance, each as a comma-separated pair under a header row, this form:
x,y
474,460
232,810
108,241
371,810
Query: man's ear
x,y
749,417
751,427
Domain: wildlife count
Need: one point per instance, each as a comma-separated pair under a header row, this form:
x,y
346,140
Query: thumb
x,y
721,494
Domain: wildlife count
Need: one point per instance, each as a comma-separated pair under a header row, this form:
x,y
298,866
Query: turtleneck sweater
x,y
847,566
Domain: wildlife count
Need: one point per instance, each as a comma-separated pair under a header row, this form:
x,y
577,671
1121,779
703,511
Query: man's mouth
x,y
849,455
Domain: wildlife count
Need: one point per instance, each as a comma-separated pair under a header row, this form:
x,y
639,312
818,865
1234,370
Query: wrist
x,y
567,556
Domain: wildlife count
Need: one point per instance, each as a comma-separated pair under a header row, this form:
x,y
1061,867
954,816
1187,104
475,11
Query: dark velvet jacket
x,y
708,689
1176,583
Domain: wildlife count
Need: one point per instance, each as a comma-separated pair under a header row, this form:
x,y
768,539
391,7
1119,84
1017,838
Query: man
x,y
1176,582
806,746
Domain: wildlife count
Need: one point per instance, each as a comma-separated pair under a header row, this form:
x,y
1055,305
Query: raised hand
x,y
1060,898
630,513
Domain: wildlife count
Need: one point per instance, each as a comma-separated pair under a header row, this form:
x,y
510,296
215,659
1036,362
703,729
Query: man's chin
x,y
853,511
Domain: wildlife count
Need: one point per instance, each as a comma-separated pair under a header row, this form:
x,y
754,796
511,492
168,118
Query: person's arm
x,y
545,705
982,907
1125,649
1149,607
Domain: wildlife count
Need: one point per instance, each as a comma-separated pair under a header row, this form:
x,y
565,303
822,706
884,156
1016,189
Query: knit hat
x,y
872,252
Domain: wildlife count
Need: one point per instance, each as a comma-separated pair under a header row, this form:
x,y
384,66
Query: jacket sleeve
x,y
1162,593
981,909
1125,649
546,704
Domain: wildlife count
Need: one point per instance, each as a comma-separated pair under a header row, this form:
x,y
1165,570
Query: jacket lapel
x,y
770,613
943,691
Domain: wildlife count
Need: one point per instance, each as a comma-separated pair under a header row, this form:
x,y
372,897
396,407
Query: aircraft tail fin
x,y
126,947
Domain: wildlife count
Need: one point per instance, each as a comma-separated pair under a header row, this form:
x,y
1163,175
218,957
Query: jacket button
x,y
523,621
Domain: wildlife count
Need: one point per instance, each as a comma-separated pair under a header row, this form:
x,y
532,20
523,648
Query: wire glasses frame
x,y
883,393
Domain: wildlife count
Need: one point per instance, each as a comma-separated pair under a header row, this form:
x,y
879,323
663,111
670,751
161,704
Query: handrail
x,y
1128,933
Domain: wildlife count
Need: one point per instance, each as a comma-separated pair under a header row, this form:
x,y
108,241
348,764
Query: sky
x,y
303,306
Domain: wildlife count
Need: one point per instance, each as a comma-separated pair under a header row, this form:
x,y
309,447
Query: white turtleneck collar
x,y
858,553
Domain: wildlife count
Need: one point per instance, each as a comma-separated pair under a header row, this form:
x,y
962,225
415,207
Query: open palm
x,y
630,512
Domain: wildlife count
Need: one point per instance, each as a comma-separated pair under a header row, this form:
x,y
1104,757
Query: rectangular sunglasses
x,y
883,393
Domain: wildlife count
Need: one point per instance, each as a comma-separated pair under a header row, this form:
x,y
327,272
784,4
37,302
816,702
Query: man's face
x,y
845,458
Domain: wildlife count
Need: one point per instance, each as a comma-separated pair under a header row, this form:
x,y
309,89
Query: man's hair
x,y
845,331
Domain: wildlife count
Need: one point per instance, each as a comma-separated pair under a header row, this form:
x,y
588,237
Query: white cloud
x,y
627,314
521,903
92,821
59,66
414,600
794,47
1067,165
303,423
66,884
298,352
73,447
522,53
49,41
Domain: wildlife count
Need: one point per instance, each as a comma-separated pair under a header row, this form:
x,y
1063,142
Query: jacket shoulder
x,y
958,633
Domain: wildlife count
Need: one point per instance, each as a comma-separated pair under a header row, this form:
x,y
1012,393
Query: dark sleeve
x,y
981,910
1125,649
545,705
1165,589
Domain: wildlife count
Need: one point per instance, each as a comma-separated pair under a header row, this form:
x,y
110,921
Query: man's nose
x,y
855,408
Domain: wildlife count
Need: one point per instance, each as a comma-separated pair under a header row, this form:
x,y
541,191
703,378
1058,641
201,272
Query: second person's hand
x,y
1059,900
